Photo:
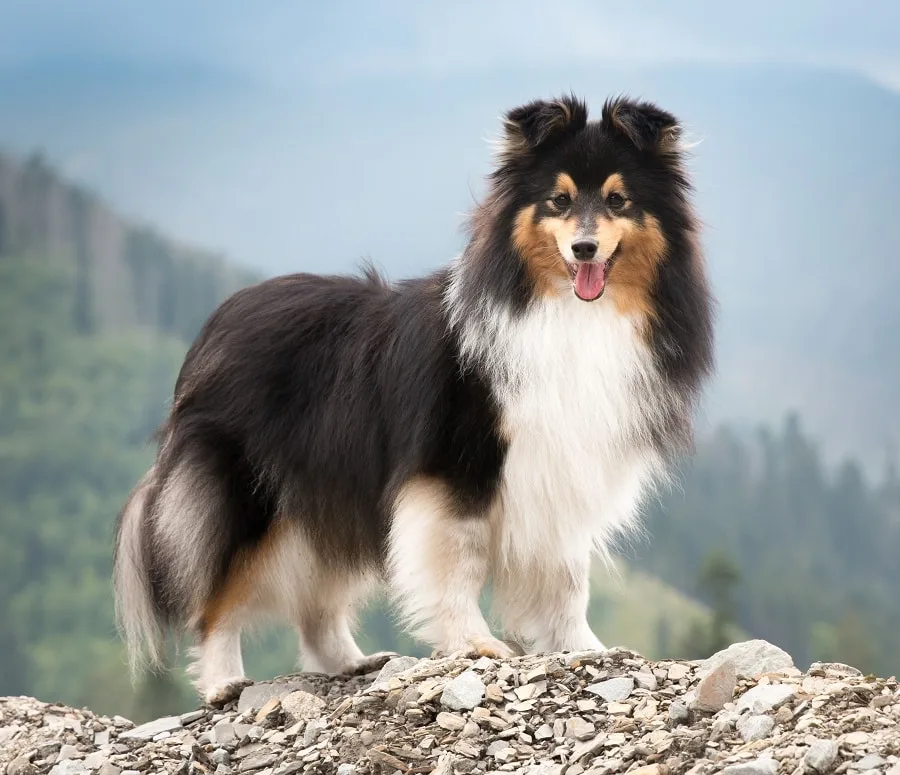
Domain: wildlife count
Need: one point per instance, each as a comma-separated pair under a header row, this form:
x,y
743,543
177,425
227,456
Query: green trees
x,y
75,414
814,551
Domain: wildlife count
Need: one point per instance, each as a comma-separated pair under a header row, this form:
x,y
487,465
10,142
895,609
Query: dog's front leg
x,y
437,565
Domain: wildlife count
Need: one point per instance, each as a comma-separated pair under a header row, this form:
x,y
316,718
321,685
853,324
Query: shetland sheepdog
x,y
501,419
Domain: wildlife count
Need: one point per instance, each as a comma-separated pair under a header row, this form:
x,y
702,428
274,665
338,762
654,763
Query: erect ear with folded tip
x,y
647,126
538,124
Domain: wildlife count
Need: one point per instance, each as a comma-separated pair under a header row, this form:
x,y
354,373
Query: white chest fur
x,y
575,382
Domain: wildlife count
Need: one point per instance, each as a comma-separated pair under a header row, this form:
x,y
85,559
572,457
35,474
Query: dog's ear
x,y
538,124
648,127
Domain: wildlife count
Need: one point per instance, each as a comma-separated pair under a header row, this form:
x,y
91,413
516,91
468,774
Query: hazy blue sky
x,y
214,119
324,43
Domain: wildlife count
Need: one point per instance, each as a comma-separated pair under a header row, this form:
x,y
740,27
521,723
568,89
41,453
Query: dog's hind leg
x,y
287,579
325,629
438,564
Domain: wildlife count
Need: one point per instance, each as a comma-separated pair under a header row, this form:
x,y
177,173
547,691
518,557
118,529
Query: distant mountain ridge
x,y
126,275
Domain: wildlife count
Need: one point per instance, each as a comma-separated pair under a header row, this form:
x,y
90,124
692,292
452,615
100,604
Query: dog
x,y
499,420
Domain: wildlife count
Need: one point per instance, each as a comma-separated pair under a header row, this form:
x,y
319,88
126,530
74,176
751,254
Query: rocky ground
x,y
745,711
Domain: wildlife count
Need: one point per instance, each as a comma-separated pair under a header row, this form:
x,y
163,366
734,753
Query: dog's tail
x,y
138,617
174,538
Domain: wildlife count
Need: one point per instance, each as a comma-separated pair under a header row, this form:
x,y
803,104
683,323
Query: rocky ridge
x,y
745,711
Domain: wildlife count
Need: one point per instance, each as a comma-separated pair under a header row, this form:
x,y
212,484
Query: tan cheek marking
x,y
538,249
613,183
635,272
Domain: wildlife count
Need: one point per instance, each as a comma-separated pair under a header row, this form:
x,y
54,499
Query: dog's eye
x,y
615,201
562,201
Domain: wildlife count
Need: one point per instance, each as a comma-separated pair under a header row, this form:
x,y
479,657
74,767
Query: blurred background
x,y
155,157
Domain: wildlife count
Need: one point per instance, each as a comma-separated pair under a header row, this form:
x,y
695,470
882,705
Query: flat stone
x,y
95,760
152,728
543,732
494,693
69,767
833,669
346,769
101,737
464,692
821,756
108,768
716,688
256,695
870,761
761,766
542,768
258,761
646,681
21,765
302,706
678,671
647,769
223,734
855,738
579,729
450,721
751,658
190,718
393,667
590,748
613,689
765,697
69,752
755,727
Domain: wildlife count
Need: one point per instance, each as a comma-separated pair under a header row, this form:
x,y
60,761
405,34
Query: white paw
x,y
225,691
369,663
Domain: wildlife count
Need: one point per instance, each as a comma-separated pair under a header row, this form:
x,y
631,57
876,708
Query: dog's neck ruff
x,y
583,407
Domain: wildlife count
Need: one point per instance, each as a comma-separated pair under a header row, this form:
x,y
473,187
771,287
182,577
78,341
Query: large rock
x,y
464,692
765,697
821,756
394,667
751,658
716,688
302,706
755,727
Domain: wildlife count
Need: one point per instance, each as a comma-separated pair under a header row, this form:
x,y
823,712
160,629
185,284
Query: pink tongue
x,y
589,281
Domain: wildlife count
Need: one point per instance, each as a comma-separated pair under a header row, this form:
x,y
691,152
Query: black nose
x,y
584,249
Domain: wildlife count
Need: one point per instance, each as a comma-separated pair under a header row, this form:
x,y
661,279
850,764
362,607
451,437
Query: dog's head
x,y
592,202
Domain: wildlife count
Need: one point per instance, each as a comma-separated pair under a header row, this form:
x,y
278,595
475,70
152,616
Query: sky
x,y
210,119
272,42
307,136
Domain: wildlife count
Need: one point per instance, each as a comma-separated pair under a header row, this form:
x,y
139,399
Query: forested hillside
x,y
816,550
124,275
91,338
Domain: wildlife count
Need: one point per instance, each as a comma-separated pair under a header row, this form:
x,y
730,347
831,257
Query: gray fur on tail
x,y
137,617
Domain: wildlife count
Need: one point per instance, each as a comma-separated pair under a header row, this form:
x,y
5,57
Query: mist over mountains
x,y
797,175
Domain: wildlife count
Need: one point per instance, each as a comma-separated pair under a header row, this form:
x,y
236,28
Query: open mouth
x,y
589,277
